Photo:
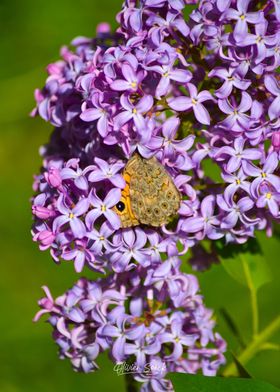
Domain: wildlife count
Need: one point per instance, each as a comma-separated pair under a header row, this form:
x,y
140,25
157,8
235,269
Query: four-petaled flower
x,y
183,103
237,154
243,17
237,120
105,171
99,112
133,112
131,82
104,208
71,216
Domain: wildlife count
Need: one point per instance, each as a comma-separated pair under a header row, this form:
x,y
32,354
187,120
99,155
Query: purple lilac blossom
x,y
135,322
189,94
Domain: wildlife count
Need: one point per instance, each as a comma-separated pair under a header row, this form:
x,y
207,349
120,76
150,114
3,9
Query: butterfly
x,y
150,196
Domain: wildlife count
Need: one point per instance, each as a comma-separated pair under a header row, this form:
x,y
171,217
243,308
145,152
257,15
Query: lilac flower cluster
x,y
194,94
109,102
155,325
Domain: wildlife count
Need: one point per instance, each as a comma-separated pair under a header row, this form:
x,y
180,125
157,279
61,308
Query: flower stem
x,y
253,347
254,298
130,383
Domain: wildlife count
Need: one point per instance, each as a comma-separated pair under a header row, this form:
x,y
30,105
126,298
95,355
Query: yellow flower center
x,y
166,74
238,182
268,195
133,84
134,111
194,101
103,208
242,17
71,215
263,175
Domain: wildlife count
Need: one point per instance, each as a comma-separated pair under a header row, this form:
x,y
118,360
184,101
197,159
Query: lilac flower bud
x,y
276,141
53,177
42,212
103,28
45,237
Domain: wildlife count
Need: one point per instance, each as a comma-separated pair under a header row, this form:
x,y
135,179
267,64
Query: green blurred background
x,y
31,33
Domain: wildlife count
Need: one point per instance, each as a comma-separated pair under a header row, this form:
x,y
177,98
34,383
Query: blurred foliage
x,y
192,383
31,35
245,262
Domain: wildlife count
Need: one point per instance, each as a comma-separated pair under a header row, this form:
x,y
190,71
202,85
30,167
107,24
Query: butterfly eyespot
x,y
156,211
169,195
149,211
120,206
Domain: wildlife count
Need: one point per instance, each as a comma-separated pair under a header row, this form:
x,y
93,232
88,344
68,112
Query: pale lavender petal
x,y
118,349
81,207
79,262
91,217
170,127
180,104
274,109
139,122
145,104
246,102
129,73
240,30
102,125
78,228
180,75
208,206
271,163
201,114
230,220
67,173
112,198
129,237
91,115
121,119
163,86
192,90
204,96
61,206
59,221
113,219
96,176
251,154
272,85
118,181
233,164
81,183
225,106
193,225
245,204
273,207
120,85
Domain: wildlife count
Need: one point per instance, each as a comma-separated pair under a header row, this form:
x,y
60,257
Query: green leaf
x,y
197,383
245,263
233,327
242,372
